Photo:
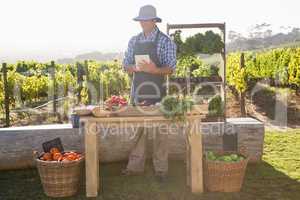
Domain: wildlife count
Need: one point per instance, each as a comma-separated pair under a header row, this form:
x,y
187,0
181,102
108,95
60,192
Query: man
x,y
148,85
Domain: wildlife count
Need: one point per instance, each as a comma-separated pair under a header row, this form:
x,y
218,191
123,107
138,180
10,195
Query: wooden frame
x,y
222,27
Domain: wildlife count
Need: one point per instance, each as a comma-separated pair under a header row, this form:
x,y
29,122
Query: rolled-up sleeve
x,y
128,57
169,54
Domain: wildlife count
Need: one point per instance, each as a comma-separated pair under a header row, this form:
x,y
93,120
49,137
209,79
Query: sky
x,y
51,29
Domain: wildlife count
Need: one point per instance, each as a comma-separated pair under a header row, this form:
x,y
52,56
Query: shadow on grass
x,y
262,182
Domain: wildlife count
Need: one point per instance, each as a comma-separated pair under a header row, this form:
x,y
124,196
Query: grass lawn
x,y
276,178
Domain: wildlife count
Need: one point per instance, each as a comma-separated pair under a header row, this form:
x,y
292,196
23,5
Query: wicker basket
x,y
224,177
60,179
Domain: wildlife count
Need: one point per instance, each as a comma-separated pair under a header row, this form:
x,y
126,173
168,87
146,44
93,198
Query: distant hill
x,y
96,55
261,36
278,40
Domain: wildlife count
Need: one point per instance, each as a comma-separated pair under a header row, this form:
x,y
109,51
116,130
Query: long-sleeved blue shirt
x,y
166,49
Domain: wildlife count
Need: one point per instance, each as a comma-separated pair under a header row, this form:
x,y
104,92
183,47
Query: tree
x,y
207,43
176,36
235,36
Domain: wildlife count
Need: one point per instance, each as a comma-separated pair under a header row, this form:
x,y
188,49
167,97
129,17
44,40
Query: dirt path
x,y
262,107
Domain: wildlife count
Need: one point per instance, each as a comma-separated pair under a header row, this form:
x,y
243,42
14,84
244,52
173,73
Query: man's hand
x,y
131,69
148,67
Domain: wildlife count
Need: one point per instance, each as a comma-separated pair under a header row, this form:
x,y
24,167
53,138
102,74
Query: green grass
x,y
277,177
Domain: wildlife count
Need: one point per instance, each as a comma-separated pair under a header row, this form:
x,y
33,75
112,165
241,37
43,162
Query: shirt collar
x,y
151,36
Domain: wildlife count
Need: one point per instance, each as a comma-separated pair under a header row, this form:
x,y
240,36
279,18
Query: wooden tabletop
x,y
135,119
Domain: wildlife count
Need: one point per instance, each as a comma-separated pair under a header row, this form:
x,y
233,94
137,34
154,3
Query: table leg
x,y
91,159
196,164
188,159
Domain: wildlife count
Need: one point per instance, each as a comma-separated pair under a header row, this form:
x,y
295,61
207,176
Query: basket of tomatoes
x,y
59,171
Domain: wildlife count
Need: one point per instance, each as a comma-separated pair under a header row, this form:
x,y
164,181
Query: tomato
x,y
57,156
115,101
47,157
54,150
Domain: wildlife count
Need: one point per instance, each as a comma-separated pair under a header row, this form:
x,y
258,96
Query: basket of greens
x,y
224,171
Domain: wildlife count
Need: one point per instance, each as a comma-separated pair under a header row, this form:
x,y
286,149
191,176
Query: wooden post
x,y
100,97
242,94
168,78
223,30
6,95
188,82
54,90
79,81
91,159
86,67
188,159
66,100
195,157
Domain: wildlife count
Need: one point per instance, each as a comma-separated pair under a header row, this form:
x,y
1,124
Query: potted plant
x,y
215,109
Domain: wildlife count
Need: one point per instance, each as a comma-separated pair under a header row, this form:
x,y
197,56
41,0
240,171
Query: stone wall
x,y
18,143
250,135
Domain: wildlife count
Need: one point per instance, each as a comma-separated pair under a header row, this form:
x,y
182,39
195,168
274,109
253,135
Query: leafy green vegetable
x,y
211,155
234,157
176,107
215,106
224,158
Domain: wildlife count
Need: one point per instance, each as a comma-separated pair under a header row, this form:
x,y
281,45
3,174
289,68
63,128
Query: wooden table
x,y
92,132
